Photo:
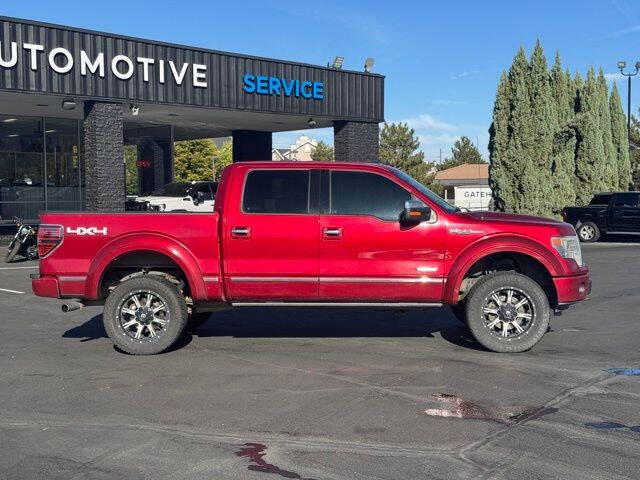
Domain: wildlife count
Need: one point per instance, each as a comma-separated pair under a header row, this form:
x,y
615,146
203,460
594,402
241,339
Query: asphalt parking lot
x,y
324,394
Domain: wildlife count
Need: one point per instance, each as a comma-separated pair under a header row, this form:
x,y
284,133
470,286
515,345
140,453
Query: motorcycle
x,y
24,243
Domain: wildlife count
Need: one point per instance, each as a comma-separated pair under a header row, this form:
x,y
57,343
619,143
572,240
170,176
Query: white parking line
x,y
16,268
11,291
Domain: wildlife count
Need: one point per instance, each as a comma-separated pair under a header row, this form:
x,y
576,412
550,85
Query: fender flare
x,y
138,242
502,243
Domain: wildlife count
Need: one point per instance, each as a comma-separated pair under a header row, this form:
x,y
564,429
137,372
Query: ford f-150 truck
x,y
607,213
312,234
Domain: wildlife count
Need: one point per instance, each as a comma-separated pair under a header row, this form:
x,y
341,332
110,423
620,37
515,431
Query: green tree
x,y
463,151
634,155
399,148
610,166
620,140
563,165
543,125
589,173
501,179
323,153
201,159
131,168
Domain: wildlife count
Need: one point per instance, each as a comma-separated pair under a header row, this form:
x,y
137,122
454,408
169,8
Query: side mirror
x,y
415,212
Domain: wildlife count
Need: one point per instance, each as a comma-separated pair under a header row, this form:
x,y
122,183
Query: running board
x,y
336,304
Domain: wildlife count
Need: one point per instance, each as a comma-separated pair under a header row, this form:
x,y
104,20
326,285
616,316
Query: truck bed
x,y
92,240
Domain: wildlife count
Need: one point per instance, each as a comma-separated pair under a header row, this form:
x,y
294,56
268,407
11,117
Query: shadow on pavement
x,y
314,323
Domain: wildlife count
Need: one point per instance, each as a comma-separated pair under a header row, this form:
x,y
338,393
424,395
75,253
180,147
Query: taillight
x,y
49,237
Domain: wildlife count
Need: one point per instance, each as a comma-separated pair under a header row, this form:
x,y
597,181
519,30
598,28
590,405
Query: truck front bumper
x,y
45,286
572,289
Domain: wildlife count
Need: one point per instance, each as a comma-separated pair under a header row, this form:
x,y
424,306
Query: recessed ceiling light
x,y
50,131
13,135
9,120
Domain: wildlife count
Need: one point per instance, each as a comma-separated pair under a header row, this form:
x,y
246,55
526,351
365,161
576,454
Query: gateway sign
x,y
61,61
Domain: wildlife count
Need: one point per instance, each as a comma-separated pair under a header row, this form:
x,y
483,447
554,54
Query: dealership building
x,y
72,99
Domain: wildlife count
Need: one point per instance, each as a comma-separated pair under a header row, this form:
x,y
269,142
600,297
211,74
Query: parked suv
x,y
312,234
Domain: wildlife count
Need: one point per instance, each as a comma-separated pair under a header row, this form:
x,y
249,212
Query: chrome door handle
x,y
332,233
240,232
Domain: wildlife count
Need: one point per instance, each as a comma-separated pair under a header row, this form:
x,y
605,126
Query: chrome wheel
x,y
587,232
144,316
508,313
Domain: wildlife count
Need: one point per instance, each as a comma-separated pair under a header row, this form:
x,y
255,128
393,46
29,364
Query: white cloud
x,y
466,73
610,77
428,122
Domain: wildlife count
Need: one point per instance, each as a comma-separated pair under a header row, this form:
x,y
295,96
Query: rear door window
x,y
629,200
276,191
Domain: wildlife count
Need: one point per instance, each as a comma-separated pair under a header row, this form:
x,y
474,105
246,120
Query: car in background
x,y
178,197
611,213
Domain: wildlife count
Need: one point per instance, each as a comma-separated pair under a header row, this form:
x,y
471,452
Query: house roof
x,y
466,171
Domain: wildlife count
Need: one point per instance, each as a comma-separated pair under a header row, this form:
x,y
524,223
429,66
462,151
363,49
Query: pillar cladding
x,y
104,157
356,141
251,145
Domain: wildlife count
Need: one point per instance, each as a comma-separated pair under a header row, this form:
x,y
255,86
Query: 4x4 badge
x,y
87,231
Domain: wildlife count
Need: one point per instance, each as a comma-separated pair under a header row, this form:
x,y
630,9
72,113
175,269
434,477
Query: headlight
x,y
568,247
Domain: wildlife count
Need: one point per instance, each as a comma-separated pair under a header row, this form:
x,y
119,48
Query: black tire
x,y
460,311
12,252
196,320
489,330
163,293
588,232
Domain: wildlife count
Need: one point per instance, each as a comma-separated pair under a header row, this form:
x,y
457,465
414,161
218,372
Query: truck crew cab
x,y
613,213
312,234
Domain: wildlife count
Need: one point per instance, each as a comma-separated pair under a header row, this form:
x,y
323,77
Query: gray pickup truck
x,y
610,213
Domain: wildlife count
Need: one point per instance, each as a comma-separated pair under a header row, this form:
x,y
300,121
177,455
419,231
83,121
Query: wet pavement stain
x,y
613,426
256,452
629,372
469,410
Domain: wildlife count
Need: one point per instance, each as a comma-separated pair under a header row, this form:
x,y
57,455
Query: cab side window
x,y
276,191
362,193
206,192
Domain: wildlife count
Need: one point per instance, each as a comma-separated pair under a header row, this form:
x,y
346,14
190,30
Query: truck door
x,y
271,243
624,213
366,253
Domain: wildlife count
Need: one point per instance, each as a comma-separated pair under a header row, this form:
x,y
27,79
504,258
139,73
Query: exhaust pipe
x,y
71,306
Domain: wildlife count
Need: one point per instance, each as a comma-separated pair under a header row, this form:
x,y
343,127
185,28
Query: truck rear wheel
x,y
145,315
507,312
588,232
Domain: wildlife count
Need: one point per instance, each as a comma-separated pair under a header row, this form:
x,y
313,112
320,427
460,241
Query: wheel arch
x,y
133,245
513,252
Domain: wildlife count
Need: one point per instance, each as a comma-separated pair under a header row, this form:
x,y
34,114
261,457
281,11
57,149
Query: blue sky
x,y
442,60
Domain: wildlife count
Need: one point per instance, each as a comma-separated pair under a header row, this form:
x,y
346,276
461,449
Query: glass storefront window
x,y
40,166
63,164
21,167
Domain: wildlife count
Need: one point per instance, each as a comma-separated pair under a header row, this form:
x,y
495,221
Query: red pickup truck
x,y
312,234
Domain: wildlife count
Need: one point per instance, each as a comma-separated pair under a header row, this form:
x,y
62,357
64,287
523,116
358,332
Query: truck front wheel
x,y
145,315
507,312
588,232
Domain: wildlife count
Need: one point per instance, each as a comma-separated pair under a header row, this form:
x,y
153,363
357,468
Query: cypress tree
x,y
604,116
512,193
501,180
620,140
543,125
563,165
589,148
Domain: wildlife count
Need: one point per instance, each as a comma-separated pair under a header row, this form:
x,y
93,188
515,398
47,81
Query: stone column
x,y
251,145
355,141
104,157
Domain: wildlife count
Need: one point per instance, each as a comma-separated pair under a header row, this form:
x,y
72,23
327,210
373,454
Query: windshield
x,y
441,202
173,190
